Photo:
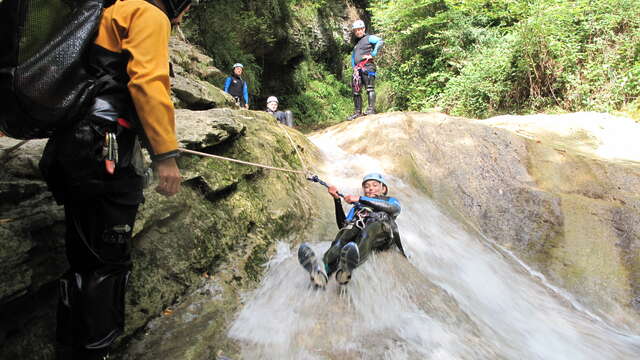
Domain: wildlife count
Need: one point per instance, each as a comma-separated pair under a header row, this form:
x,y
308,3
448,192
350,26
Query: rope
x,y
304,166
239,161
286,131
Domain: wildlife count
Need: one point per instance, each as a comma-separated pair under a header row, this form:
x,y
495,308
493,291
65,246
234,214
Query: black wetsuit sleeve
x,y
390,205
340,217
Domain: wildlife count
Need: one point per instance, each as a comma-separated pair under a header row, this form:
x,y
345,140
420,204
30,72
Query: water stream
x,y
459,296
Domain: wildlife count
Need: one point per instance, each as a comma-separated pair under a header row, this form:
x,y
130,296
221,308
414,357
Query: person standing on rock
x,y
235,86
95,169
364,68
283,117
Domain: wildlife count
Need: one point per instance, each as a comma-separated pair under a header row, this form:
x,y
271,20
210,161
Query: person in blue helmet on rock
x,y
235,86
369,226
364,68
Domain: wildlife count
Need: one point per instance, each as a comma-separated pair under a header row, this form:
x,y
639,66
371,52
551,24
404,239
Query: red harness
x,y
357,79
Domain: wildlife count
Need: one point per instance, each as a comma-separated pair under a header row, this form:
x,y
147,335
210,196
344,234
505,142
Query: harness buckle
x,y
362,214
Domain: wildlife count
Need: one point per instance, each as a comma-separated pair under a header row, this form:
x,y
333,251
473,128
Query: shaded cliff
x,y
217,231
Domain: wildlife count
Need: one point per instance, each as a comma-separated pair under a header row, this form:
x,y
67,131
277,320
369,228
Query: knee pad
x,y
116,244
371,86
91,307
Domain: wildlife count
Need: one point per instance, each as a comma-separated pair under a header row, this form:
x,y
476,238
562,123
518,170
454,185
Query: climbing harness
x,y
357,78
362,214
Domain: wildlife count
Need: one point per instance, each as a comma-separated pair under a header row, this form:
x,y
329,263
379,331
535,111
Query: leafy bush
x,y
236,31
322,99
481,58
484,86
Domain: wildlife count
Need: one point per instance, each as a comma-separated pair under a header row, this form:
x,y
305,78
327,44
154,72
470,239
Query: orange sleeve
x,y
147,42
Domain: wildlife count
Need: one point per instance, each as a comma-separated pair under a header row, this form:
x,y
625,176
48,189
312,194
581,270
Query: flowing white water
x,y
458,297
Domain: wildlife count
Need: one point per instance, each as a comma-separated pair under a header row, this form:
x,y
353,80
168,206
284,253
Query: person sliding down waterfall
x,y
369,226
364,69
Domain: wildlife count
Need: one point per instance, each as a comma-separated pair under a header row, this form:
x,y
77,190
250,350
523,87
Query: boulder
x,y
195,83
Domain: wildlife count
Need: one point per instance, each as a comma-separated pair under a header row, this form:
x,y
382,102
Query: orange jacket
x,y
142,30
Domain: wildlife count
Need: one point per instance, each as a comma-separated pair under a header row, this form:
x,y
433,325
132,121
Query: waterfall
x,y
458,296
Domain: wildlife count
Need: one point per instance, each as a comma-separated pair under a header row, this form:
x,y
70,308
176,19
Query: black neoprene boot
x,y
307,258
357,102
349,259
371,109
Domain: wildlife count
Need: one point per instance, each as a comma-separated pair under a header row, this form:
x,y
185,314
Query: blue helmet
x,y
377,177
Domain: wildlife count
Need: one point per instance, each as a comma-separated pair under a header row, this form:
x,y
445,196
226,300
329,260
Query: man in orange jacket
x,y
95,168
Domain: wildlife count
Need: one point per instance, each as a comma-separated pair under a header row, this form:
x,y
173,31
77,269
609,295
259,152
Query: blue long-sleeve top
x,y
245,89
367,45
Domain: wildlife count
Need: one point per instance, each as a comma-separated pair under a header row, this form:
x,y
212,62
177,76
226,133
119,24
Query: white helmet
x,y
272,99
358,24
237,65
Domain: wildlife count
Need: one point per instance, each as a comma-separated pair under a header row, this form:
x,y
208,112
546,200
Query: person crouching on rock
x,y
369,226
283,117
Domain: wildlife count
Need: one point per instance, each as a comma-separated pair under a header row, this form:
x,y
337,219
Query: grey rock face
x,y
224,222
548,195
193,79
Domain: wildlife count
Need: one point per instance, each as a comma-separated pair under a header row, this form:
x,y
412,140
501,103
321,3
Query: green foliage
x,y
322,100
480,57
277,41
237,31
483,86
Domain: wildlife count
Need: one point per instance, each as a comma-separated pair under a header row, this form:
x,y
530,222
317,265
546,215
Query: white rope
x,y
286,131
239,161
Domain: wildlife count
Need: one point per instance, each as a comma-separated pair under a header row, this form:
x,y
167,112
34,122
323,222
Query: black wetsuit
x,y
237,87
370,224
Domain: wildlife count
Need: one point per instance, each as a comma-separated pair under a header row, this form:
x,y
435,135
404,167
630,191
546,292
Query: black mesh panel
x,y
50,87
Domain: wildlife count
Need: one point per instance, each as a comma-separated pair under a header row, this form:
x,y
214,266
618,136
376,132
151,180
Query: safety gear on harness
x,y
357,78
175,7
237,65
358,24
272,99
361,216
